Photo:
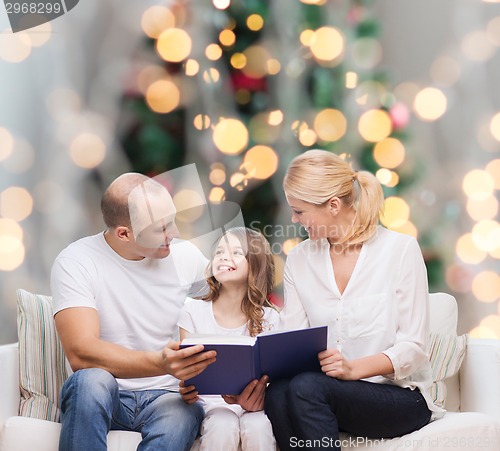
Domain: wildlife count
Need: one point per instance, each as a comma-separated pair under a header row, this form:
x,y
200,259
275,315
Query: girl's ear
x,y
122,233
335,205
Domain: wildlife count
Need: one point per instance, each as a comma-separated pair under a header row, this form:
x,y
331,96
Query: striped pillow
x,y
42,363
446,354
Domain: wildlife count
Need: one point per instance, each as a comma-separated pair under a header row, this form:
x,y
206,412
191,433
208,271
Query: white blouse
x,y
384,307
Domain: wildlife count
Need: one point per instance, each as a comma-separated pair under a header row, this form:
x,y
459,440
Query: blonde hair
x,y
317,175
260,277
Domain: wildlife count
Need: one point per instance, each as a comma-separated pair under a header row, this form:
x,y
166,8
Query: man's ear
x,y
123,233
335,205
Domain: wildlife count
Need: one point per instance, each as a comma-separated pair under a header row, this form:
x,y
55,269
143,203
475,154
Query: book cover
x,y
279,354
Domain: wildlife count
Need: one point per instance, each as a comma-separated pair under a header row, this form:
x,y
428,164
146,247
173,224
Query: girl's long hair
x,y
260,277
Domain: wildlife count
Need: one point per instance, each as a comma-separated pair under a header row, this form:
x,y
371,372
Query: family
x,y
119,306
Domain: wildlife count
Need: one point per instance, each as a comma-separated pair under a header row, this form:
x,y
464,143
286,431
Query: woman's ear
x,y
335,205
122,233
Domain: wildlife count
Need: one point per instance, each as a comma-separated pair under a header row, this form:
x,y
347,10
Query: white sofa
x,y
471,423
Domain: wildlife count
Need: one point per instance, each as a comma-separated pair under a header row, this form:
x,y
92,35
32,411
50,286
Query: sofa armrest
x,y
480,377
9,382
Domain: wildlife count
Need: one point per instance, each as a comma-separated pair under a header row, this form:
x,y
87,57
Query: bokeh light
x,y
6,143
289,244
366,53
478,184
192,67
477,46
213,52
306,37
445,71
467,251
163,96
481,209
459,278
14,47
211,75
238,181
408,228
221,4
375,125
255,22
227,38
486,286
230,136
40,34
217,176
202,121
389,153
351,80
485,235
174,45
492,168
22,157
327,44
217,194
87,150
149,75
396,212
330,124
275,117
307,137
261,161
15,203
11,253
430,104
256,61
238,60
186,202
156,19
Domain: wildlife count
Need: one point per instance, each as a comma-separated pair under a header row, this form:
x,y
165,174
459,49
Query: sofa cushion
x,y
22,433
456,431
42,363
446,354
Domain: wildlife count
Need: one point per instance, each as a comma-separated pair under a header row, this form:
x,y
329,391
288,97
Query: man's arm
x,y
78,329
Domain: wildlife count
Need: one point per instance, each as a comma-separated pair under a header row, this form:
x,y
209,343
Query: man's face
x,y
154,240
152,215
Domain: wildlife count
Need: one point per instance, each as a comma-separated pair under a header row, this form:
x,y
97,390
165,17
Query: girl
x,y
369,285
240,277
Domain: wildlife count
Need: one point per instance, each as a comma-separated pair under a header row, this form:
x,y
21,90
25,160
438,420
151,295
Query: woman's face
x,y
318,220
229,264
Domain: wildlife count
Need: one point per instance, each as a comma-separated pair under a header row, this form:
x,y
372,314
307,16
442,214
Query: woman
x,y
369,285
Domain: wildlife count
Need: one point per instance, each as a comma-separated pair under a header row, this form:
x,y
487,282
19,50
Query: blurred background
x,y
407,90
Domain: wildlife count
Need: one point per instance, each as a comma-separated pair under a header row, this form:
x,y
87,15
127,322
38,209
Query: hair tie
x,y
354,176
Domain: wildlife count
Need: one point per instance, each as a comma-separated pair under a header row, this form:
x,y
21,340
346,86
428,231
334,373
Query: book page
x,y
205,339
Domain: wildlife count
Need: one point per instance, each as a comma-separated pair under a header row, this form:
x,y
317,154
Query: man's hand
x,y
252,397
187,362
188,394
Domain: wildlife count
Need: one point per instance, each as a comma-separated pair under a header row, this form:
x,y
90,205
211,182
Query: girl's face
x,y
229,264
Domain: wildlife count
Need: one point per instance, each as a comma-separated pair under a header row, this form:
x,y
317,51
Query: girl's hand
x,y
188,394
333,364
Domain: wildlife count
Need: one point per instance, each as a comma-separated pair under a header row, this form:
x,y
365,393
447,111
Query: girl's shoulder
x,y
196,305
271,319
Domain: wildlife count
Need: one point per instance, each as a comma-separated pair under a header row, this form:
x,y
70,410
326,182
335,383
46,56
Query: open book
x,y
240,359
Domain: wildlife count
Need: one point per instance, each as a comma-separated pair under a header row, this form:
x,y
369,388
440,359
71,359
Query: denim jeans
x,y
92,405
312,408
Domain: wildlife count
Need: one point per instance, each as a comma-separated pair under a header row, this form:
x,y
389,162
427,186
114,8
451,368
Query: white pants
x,y
224,426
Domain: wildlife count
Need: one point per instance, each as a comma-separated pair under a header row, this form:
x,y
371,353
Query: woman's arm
x,y
335,365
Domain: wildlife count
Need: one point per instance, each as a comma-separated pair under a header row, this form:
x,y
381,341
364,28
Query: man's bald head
x,y
115,201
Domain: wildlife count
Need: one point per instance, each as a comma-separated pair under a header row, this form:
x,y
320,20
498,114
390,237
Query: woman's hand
x,y
252,397
188,394
334,364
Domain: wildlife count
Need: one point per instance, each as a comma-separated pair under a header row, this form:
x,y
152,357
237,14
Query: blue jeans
x,y
92,405
312,408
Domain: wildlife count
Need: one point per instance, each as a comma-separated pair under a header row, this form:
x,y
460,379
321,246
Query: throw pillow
x,y
446,354
42,363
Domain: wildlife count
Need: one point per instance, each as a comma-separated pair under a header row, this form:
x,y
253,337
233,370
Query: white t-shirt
x,y
384,308
197,317
138,302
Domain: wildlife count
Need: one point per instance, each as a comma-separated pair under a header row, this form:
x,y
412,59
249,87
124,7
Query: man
x,y
117,297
